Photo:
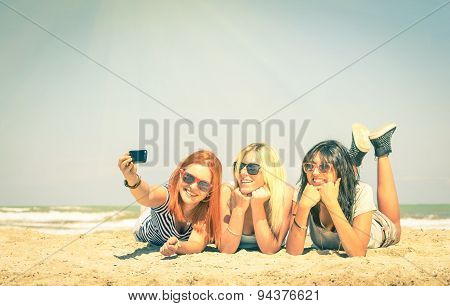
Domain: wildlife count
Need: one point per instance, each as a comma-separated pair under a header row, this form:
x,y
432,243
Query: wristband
x,y
299,226
135,185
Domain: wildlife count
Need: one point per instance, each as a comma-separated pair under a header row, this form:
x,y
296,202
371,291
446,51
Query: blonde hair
x,y
274,177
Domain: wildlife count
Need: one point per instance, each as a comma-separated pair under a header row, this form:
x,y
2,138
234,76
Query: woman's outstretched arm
x,y
196,243
145,194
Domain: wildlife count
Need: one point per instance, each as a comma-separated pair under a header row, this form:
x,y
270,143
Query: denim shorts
x,y
387,231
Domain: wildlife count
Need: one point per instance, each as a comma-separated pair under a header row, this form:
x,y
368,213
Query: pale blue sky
x,y
64,120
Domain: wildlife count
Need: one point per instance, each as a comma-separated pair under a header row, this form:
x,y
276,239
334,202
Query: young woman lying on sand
x,y
338,207
182,216
255,212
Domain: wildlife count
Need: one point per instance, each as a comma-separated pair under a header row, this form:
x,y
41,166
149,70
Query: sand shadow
x,y
155,249
138,252
330,252
211,249
208,249
167,258
307,250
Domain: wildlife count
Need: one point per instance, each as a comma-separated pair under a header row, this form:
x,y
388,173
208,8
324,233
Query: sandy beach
x,y
114,258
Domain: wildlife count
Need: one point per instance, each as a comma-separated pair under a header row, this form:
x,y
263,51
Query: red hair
x,y
207,212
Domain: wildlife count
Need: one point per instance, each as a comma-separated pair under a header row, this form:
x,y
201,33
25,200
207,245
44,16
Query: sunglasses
x,y
190,179
323,167
252,168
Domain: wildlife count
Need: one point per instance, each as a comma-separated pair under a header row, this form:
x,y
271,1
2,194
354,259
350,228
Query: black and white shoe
x,y
360,143
381,139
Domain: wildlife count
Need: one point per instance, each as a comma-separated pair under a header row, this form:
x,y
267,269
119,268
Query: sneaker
x,y
360,143
381,139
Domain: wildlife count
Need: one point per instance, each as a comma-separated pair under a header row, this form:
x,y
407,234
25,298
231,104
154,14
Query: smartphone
x,y
138,156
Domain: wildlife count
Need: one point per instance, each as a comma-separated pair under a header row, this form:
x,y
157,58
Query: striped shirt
x,y
157,225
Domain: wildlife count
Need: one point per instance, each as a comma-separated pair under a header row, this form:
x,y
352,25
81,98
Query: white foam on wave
x,y
77,228
14,209
426,223
75,222
53,216
68,208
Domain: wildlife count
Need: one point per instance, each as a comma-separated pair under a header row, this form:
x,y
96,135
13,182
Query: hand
x,y
170,247
329,193
261,195
128,168
242,201
310,197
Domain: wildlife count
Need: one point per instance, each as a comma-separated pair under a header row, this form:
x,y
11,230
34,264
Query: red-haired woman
x,y
182,216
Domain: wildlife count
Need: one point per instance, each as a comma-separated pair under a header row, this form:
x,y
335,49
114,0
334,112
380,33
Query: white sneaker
x,y
360,135
382,130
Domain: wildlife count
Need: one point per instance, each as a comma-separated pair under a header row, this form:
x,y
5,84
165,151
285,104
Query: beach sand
x,y
114,258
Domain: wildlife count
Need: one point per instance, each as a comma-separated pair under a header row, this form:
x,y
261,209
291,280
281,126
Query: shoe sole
x,y
361,136
381,131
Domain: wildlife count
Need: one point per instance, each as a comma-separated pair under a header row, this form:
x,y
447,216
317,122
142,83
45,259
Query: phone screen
x,y
138,156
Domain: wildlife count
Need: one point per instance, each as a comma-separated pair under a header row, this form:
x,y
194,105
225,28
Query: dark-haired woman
x,y
337,206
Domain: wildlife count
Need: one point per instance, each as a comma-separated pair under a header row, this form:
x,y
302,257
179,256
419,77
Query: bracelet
x,y
299,226
231,232
135,185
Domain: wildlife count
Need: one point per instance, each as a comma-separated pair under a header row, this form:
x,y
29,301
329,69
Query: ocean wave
x,y
14,209
423,217
425,223
57,216
74,220
75,228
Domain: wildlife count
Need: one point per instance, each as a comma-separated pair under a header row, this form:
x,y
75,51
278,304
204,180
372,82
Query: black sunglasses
x,y
252,168
190,179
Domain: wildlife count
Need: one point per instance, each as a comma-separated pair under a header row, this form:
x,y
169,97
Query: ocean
x,y
84,219
69,219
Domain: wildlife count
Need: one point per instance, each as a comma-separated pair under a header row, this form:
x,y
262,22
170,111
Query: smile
x,y
190,193
318,181
246,181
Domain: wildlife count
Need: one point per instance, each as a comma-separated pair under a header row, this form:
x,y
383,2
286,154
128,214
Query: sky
x,y
73,96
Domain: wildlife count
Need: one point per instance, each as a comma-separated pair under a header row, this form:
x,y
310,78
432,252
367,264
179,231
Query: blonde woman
x,y
255,212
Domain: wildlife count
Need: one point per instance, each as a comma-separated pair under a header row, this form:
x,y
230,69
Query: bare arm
x,y
149,195
196,244
354,239
269,242
145,194
296,240
232,219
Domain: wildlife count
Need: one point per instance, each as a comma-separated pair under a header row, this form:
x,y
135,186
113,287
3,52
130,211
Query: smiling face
x,y
317,178
247,182
191,194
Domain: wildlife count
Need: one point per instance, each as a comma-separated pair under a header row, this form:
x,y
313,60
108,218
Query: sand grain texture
x,y
114,258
